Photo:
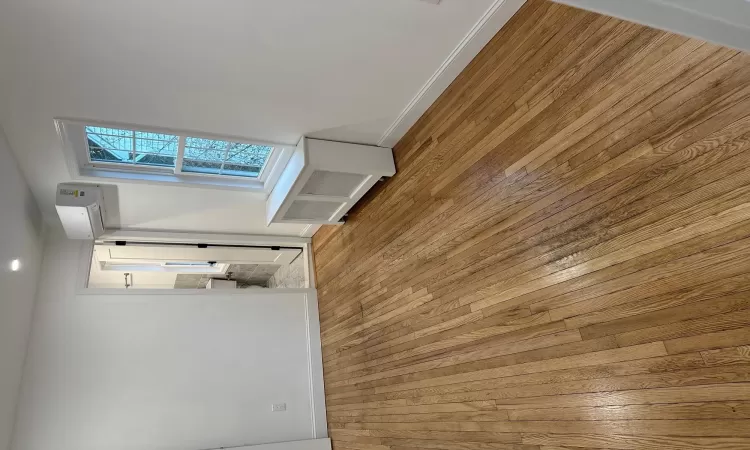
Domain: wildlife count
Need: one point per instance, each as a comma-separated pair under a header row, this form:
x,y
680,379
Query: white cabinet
x,y
324,179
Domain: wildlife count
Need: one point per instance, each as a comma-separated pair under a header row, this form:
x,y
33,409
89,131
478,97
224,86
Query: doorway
x,y
150,265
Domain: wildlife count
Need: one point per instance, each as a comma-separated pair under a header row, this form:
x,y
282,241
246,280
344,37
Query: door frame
x,y
84,265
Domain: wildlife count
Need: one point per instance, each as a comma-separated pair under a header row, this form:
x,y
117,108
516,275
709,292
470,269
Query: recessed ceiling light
x,y
15,265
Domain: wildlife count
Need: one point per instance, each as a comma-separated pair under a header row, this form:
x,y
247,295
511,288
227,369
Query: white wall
x,y
165,371
336,69
20,238
180,208
724,22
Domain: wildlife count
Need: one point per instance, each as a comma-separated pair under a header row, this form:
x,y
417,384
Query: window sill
x,y
171,179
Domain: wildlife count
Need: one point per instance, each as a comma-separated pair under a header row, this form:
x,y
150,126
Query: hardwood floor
x,y
563,258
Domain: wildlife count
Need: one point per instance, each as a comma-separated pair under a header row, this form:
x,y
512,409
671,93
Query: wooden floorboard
x,y
562,260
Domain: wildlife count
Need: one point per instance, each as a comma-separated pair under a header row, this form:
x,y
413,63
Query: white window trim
x,y
73,138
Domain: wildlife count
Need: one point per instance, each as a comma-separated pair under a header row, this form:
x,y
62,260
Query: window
x,y
190,154
139,153
112,145
224,157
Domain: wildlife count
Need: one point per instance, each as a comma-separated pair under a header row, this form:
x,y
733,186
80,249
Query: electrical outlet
x,y
278,407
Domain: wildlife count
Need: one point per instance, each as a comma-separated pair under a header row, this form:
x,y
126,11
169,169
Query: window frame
x,y
72,133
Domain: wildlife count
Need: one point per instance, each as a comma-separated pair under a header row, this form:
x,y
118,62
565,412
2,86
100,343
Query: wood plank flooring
x,y
563,258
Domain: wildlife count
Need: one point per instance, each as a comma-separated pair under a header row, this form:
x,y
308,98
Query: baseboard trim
x,y
488,25
313,444
672,17
315,368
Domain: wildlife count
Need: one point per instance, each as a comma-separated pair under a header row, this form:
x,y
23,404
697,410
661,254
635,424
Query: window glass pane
x,y
131,147
109,144
224,158
198,166
210,144
240,170
249,155
202,154
155,149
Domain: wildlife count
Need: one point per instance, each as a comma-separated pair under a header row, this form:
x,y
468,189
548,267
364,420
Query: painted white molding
x,y
315,367
309,265
675,17
310,230
87,249
485,29
203,238
315,444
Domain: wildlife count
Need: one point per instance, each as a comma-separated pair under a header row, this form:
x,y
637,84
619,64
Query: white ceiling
x,y
266,69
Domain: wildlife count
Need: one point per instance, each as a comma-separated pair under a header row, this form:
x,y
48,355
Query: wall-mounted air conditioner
x,y
80,209
324,179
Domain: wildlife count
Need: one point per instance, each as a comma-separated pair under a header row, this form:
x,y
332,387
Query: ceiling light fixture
x,y
15,265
